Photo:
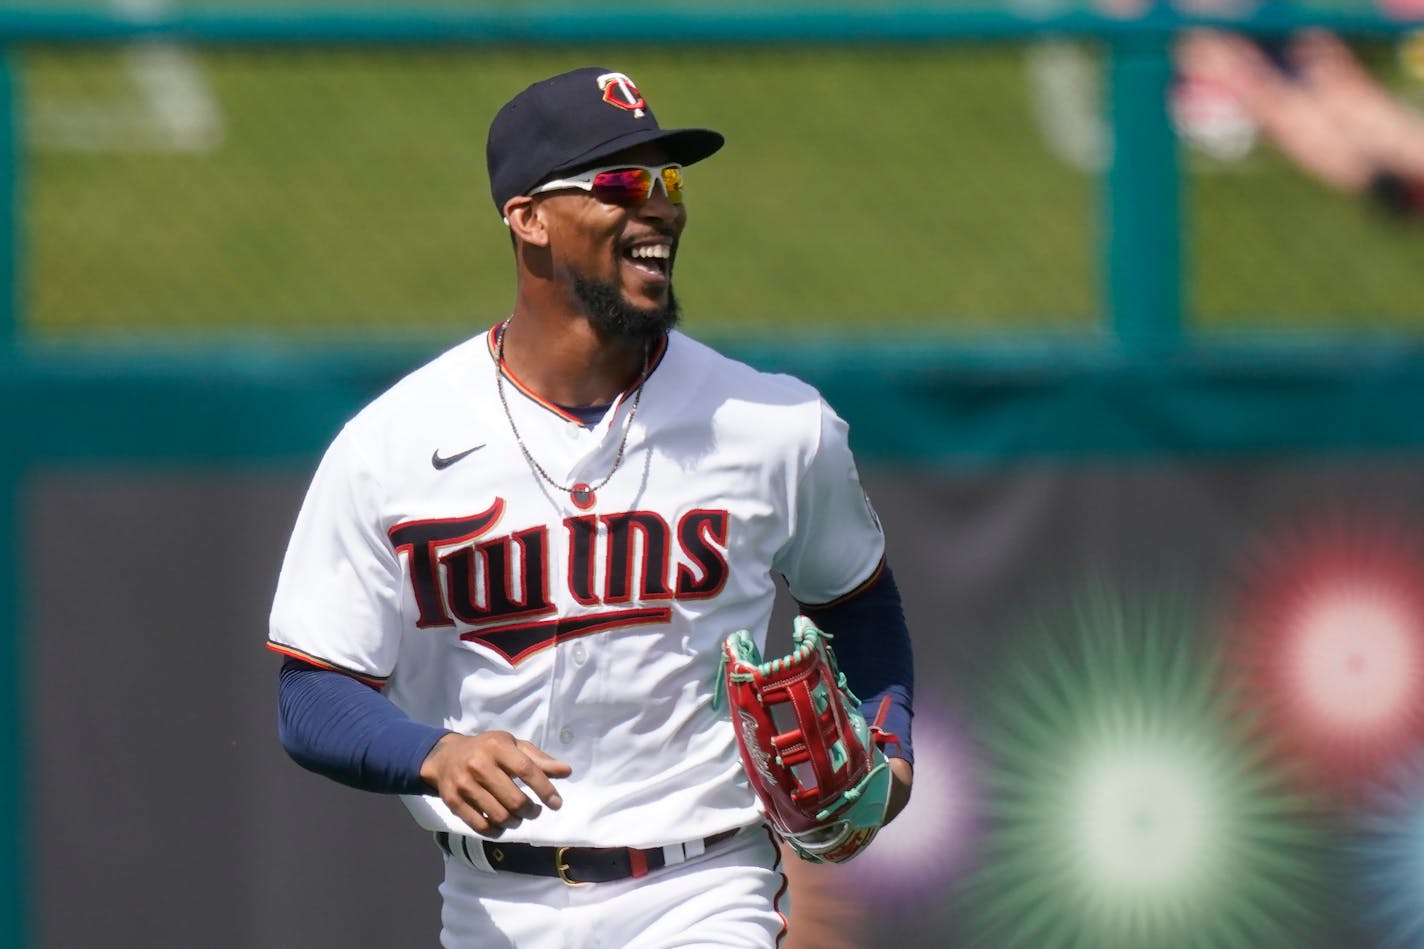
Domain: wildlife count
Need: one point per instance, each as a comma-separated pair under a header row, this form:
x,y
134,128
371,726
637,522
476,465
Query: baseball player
x,y
506,592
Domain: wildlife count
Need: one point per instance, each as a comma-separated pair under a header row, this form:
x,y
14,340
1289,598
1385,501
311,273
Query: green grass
x,y
882,189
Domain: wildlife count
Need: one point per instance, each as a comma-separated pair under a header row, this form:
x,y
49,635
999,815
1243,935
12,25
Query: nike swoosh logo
x,y
441,462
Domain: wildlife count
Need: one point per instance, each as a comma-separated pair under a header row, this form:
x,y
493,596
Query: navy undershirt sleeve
x,y
872,645
347,731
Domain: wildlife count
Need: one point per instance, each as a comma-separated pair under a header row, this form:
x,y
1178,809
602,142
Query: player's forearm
x,y
338,727
872,646
902,776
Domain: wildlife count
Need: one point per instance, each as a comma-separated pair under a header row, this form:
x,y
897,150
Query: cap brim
x,y
684,146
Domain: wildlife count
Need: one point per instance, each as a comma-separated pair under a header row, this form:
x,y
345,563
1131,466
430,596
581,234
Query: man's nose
x,y
659,205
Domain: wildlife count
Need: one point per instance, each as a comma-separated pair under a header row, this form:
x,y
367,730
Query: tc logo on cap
x,y
619,90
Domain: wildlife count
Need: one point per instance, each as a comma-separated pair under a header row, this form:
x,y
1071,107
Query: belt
x,y
578,866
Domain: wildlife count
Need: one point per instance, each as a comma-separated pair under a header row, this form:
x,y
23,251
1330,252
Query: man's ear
x,y
525,222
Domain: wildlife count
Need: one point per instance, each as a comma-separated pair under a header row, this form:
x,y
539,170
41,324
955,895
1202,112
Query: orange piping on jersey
x,y
492,341
845,597
374,682
534,397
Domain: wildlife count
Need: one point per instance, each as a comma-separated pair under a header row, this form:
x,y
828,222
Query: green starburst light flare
x,y
1126,808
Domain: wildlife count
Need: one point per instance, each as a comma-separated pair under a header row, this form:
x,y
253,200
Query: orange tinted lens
x,y
672,184
626,187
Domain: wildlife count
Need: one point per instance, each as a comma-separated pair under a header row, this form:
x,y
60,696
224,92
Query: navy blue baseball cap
x,y
570,122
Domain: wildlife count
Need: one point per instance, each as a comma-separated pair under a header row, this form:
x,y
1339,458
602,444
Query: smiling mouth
x,y
654,261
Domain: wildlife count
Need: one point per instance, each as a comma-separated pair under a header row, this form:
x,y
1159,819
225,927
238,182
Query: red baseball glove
x,y
814,763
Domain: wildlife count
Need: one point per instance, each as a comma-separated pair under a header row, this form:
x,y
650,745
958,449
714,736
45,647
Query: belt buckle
x,y
563,869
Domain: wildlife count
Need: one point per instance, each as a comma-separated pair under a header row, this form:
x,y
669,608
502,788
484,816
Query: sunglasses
x,y
628,186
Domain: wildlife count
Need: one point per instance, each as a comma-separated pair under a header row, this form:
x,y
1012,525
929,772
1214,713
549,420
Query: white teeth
x,y
662,251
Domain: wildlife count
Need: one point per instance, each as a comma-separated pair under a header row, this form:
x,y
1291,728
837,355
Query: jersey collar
x,y
492,346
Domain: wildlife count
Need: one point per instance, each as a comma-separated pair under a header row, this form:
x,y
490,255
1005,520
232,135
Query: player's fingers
x,y
537,769
510,799
519,762
488,774
495,812
472,816
547,763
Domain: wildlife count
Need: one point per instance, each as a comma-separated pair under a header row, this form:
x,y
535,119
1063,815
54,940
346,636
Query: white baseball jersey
x,y
480,597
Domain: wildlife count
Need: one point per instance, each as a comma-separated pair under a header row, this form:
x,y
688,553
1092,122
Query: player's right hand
x,y
474,775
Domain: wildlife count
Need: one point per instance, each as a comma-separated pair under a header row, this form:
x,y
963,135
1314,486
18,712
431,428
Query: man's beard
x,y
603,303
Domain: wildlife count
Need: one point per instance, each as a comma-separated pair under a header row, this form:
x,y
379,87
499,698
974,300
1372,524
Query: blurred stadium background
x,y
1137,400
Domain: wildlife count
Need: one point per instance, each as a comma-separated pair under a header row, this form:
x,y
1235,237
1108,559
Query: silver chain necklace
x,y
583,495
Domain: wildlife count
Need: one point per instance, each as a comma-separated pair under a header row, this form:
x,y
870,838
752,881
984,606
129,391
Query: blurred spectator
x,y
1318,105
1307,95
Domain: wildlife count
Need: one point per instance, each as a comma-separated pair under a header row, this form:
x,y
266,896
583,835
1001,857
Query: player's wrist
x,y
902,777
430,764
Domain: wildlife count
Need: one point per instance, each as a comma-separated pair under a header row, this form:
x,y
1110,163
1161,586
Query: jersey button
x,y
580,654
566,735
